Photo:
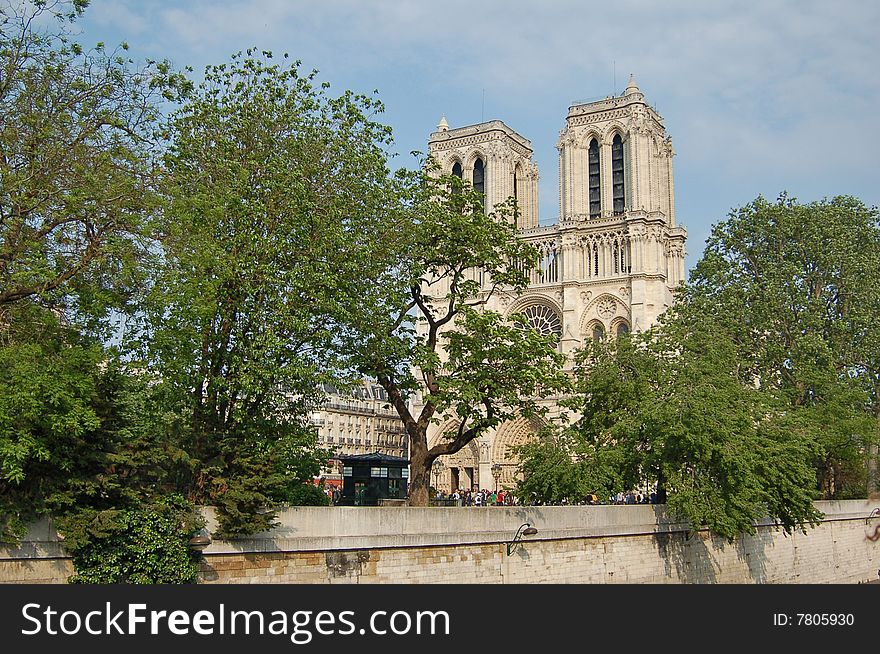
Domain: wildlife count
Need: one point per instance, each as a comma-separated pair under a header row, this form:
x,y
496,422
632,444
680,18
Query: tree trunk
x,y
418,485
419,470
873,491
661,487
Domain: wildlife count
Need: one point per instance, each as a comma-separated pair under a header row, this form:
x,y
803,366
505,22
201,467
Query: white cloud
x,y
761,93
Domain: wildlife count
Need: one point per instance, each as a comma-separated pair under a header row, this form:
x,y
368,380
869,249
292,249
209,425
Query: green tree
x,y
426,336
755,391
670,409
796,286
48,379
79,430
147,544
277,196
76,154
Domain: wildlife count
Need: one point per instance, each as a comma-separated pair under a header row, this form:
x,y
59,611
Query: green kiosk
x,y
368,478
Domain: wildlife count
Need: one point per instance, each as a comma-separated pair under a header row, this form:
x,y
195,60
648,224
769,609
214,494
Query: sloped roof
x,y
373,457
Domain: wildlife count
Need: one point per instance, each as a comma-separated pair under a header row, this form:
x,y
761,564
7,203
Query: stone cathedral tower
x,y
610,263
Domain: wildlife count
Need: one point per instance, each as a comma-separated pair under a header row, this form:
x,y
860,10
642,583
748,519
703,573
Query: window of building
x,y
543,320
617,192
594,180
598,333
456,170
479,176
516,197
550,266
622,329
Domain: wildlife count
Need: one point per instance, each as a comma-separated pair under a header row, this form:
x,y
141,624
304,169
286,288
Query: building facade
x,y
358,422
608,266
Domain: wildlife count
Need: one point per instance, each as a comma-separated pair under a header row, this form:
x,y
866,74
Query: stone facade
x,y
359,421
574,544
609,265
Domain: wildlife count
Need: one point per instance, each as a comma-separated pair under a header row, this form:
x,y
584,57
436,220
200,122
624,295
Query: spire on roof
x,y
442,126
632,88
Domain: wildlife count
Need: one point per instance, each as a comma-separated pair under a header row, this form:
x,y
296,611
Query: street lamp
x,y
496,472
525,529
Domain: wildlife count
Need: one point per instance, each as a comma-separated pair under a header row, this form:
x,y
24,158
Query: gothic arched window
x,y
598,333
479,176
516,173
617,193
456,170
622,329
595,193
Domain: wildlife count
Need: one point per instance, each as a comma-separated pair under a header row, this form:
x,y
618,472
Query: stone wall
x,y
583,544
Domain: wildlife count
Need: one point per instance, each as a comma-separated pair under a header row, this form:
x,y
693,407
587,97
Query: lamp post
x,y
525,529
437,472
496,473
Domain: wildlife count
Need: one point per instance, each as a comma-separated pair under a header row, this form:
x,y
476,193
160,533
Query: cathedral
x,y
610,263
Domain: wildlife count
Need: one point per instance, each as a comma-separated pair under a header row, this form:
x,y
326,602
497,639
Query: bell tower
x,y
495,159
615,157
616,186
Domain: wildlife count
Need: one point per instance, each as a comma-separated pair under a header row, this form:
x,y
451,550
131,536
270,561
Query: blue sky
x,y
758,96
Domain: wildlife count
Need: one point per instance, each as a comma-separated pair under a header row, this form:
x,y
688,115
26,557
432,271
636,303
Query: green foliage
x,y
761,380
48,380
552,474
76,133
431,301
668,408
143,545
796,287
306,494
277,193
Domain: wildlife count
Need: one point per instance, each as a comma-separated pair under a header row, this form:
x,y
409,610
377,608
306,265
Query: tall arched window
x,y
479,176
595,193
456,170
617,194
516,173
598,333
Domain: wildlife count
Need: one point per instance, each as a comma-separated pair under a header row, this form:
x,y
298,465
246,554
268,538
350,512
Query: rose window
x,y
543,320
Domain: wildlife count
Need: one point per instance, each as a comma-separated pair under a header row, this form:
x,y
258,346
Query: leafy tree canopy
x,y
796,287
433,340
76,161
757,390
278,200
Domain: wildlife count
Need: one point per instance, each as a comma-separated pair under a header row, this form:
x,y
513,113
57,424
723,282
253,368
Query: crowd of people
x,y
462,497
507,498
482,497
634,498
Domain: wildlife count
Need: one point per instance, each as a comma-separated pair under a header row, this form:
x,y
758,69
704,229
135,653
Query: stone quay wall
x,y
573,544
